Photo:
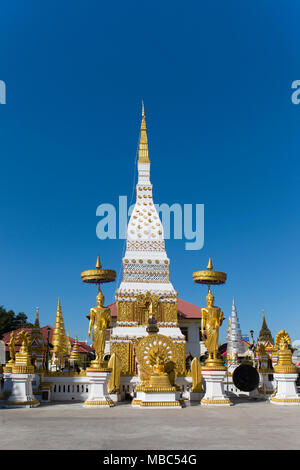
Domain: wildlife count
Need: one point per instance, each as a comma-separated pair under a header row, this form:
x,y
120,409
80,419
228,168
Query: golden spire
x,y
265,334
37,320
37,340
143,145
59,339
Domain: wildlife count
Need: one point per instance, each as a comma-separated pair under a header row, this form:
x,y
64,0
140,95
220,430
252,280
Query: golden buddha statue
x,y
22,358
212,319
99,321
285,364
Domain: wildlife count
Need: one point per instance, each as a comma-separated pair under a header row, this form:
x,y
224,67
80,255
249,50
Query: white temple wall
x,y
68,388
193,346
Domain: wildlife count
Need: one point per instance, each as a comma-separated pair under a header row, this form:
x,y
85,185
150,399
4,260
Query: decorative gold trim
x,y
286,400
109,403
22,403
98,369
22,369
216,402
157,403
209,277
98,275
285,369
149,389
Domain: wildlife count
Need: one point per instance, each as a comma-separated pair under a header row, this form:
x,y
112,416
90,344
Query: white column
x,y
214,393
98,395
21,394
286,393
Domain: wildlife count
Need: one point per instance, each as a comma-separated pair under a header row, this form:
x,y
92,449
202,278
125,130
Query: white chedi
x,y
235,345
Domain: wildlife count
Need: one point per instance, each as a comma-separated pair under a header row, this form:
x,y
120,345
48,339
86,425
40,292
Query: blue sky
x,y
216,80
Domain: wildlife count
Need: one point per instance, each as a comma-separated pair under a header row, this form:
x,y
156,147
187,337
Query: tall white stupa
x,y
146,291
235,345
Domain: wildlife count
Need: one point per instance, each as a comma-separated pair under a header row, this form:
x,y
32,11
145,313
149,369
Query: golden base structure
x,y
214,364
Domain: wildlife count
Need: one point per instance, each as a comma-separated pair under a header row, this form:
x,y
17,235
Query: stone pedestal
x,y
21,394
98,395
286,393
146,399
214,391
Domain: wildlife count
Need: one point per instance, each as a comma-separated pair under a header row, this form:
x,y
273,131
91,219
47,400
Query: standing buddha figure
x,y
99,321
212,319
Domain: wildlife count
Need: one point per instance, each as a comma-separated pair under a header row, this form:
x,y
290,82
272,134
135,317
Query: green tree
x,y
10,321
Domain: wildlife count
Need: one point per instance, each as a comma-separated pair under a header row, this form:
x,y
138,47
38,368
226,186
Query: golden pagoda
x,y
75,356
59,339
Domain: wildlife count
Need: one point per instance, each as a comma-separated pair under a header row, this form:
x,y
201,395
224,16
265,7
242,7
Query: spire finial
x,y
209,266
143,145
37,320
98,263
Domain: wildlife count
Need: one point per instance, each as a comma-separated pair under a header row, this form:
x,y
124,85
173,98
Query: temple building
x,y
266,339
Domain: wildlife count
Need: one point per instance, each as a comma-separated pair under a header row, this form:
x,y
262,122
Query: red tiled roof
x,y
83,347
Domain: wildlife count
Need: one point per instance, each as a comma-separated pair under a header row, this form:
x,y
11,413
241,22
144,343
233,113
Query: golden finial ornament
x,y
285,364
211,316
100,315
209,266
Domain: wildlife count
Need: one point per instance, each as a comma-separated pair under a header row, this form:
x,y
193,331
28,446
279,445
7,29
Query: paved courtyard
x,y
247,425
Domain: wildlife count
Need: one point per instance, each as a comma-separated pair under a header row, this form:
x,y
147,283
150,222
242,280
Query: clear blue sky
x,y
216,80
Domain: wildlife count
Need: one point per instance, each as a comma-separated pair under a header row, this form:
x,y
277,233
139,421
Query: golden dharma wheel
x,y
98,275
